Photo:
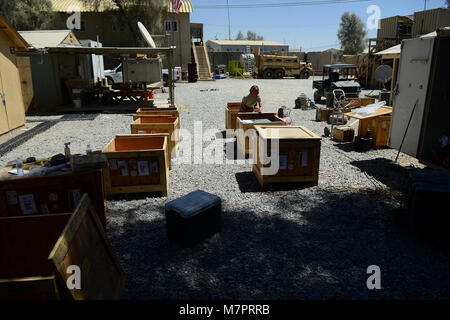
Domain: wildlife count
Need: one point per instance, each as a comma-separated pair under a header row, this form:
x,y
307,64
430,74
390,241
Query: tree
x,y
240,36
129,12
448,3
352,34
28,14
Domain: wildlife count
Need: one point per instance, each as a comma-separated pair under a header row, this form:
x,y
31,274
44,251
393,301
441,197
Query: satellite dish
x,y
146,35
383,74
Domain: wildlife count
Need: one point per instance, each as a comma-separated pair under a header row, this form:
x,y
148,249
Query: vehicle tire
x,y
110,81
305,74
279,74
268,74
317,96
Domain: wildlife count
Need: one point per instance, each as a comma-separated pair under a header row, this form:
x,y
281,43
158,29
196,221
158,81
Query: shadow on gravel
x,y
248,183
384,170
40,128
346,146
301,248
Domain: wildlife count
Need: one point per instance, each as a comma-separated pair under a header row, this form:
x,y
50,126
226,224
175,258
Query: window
x,y
171,26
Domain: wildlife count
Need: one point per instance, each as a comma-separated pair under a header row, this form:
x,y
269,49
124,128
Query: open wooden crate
x,y
171,111
37,251
298,154
159,124
247,121
52,194
231,112
136,164
360,102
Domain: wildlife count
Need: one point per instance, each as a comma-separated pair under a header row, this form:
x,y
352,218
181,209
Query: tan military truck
x,y
276,66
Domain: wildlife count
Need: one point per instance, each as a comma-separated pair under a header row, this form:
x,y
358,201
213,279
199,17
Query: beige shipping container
x,y
388,27
430,20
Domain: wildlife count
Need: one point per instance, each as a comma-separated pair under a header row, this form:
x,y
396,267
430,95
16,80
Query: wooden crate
x,y
245,122
52,194
171,111
136,164
299,154
36,251
380,129
159,124
344,134
231,112
360,102
323,113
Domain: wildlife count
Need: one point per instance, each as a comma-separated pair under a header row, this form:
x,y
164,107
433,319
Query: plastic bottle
x,y
67,150
19,167
88,149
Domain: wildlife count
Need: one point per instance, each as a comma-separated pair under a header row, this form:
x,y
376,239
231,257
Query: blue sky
x,y
312,28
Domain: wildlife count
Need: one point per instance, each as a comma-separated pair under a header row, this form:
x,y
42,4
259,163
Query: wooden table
x,y
378,123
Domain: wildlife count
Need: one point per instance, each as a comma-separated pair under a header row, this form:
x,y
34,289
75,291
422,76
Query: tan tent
x,y
12,108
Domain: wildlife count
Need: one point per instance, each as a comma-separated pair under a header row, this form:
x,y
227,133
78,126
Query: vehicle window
x,y
119,69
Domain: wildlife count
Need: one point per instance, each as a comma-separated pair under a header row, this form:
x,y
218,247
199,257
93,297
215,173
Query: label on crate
x,y
143,168
123,166
133,173
283,162
11,198
113,164
304,158
27,204
154,167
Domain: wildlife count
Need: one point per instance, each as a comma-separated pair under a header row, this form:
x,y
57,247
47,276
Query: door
x,y
412,85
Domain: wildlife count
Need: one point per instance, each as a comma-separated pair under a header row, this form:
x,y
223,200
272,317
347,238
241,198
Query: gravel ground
x,y
287,242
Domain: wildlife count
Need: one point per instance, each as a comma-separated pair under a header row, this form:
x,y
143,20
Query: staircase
x,y
202,60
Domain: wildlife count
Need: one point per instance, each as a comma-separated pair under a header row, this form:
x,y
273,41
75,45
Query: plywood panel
x,y
26,81
83,243
4,126
11,84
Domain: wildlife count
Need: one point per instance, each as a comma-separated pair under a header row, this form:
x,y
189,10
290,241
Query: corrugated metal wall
x,y
388,28
428,21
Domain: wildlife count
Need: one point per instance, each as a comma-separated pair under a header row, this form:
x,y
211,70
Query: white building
x,y
245,45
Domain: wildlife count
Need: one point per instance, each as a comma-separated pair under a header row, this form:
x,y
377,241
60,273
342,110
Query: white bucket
x,y
77,103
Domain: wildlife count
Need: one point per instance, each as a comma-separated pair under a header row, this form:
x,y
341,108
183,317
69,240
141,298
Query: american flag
x,y
177,5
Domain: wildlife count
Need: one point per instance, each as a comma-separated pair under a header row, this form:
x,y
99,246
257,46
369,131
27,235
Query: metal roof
x,y
47,38
82,6
392,50
104,5
186,7
247,43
